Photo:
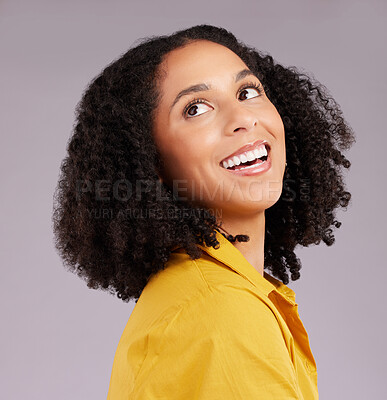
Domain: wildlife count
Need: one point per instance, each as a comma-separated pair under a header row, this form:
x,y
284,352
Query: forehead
x,y
197,62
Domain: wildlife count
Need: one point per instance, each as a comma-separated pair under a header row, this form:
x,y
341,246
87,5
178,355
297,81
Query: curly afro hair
x,y
116,240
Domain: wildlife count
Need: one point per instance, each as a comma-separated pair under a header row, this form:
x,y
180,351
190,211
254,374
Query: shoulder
x,y
205,293
227,327
230,312
199,319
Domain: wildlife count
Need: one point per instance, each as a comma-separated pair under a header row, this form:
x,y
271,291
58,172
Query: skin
x,y
192,146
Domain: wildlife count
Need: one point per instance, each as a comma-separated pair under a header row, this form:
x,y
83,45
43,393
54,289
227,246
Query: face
x,y
195,131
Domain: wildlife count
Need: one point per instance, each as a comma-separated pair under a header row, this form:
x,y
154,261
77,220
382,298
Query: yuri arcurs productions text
x,y
130,213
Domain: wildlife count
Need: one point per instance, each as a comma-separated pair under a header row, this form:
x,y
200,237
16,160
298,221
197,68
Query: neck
x,y
254,227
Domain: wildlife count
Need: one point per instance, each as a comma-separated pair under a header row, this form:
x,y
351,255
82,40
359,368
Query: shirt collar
x,y
229,255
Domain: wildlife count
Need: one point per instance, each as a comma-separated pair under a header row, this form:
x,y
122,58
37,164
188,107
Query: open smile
x,y
250,159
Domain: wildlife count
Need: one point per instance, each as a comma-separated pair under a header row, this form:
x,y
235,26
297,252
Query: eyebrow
x,y
200,87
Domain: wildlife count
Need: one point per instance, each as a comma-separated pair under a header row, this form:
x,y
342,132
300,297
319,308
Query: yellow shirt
x,y
214,328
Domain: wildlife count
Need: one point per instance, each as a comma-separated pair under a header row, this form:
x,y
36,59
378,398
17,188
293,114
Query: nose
x,y
239,118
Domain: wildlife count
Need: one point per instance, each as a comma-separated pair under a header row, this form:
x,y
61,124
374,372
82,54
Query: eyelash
x,y
247,85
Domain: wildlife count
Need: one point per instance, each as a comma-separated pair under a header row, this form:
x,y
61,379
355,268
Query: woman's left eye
x,y
246,90
252,85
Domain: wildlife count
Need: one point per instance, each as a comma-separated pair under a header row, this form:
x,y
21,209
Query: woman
x,y
178,191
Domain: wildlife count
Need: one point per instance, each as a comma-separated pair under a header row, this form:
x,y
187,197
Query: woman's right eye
x,y
192,107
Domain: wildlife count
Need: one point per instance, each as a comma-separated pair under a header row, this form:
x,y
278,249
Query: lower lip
x,y
255,169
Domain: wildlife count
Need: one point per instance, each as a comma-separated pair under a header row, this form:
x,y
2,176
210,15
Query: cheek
x,y
274,122
182,158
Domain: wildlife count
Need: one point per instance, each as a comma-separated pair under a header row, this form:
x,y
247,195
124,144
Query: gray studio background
x,y
58,338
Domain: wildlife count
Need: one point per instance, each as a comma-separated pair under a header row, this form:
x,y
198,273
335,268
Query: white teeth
x,y
243,158
236,160
250,156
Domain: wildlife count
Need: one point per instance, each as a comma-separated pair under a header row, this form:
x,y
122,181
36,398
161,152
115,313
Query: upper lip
x,y
247,147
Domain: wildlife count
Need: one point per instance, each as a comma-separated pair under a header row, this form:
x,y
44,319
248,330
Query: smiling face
x,y
197,130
